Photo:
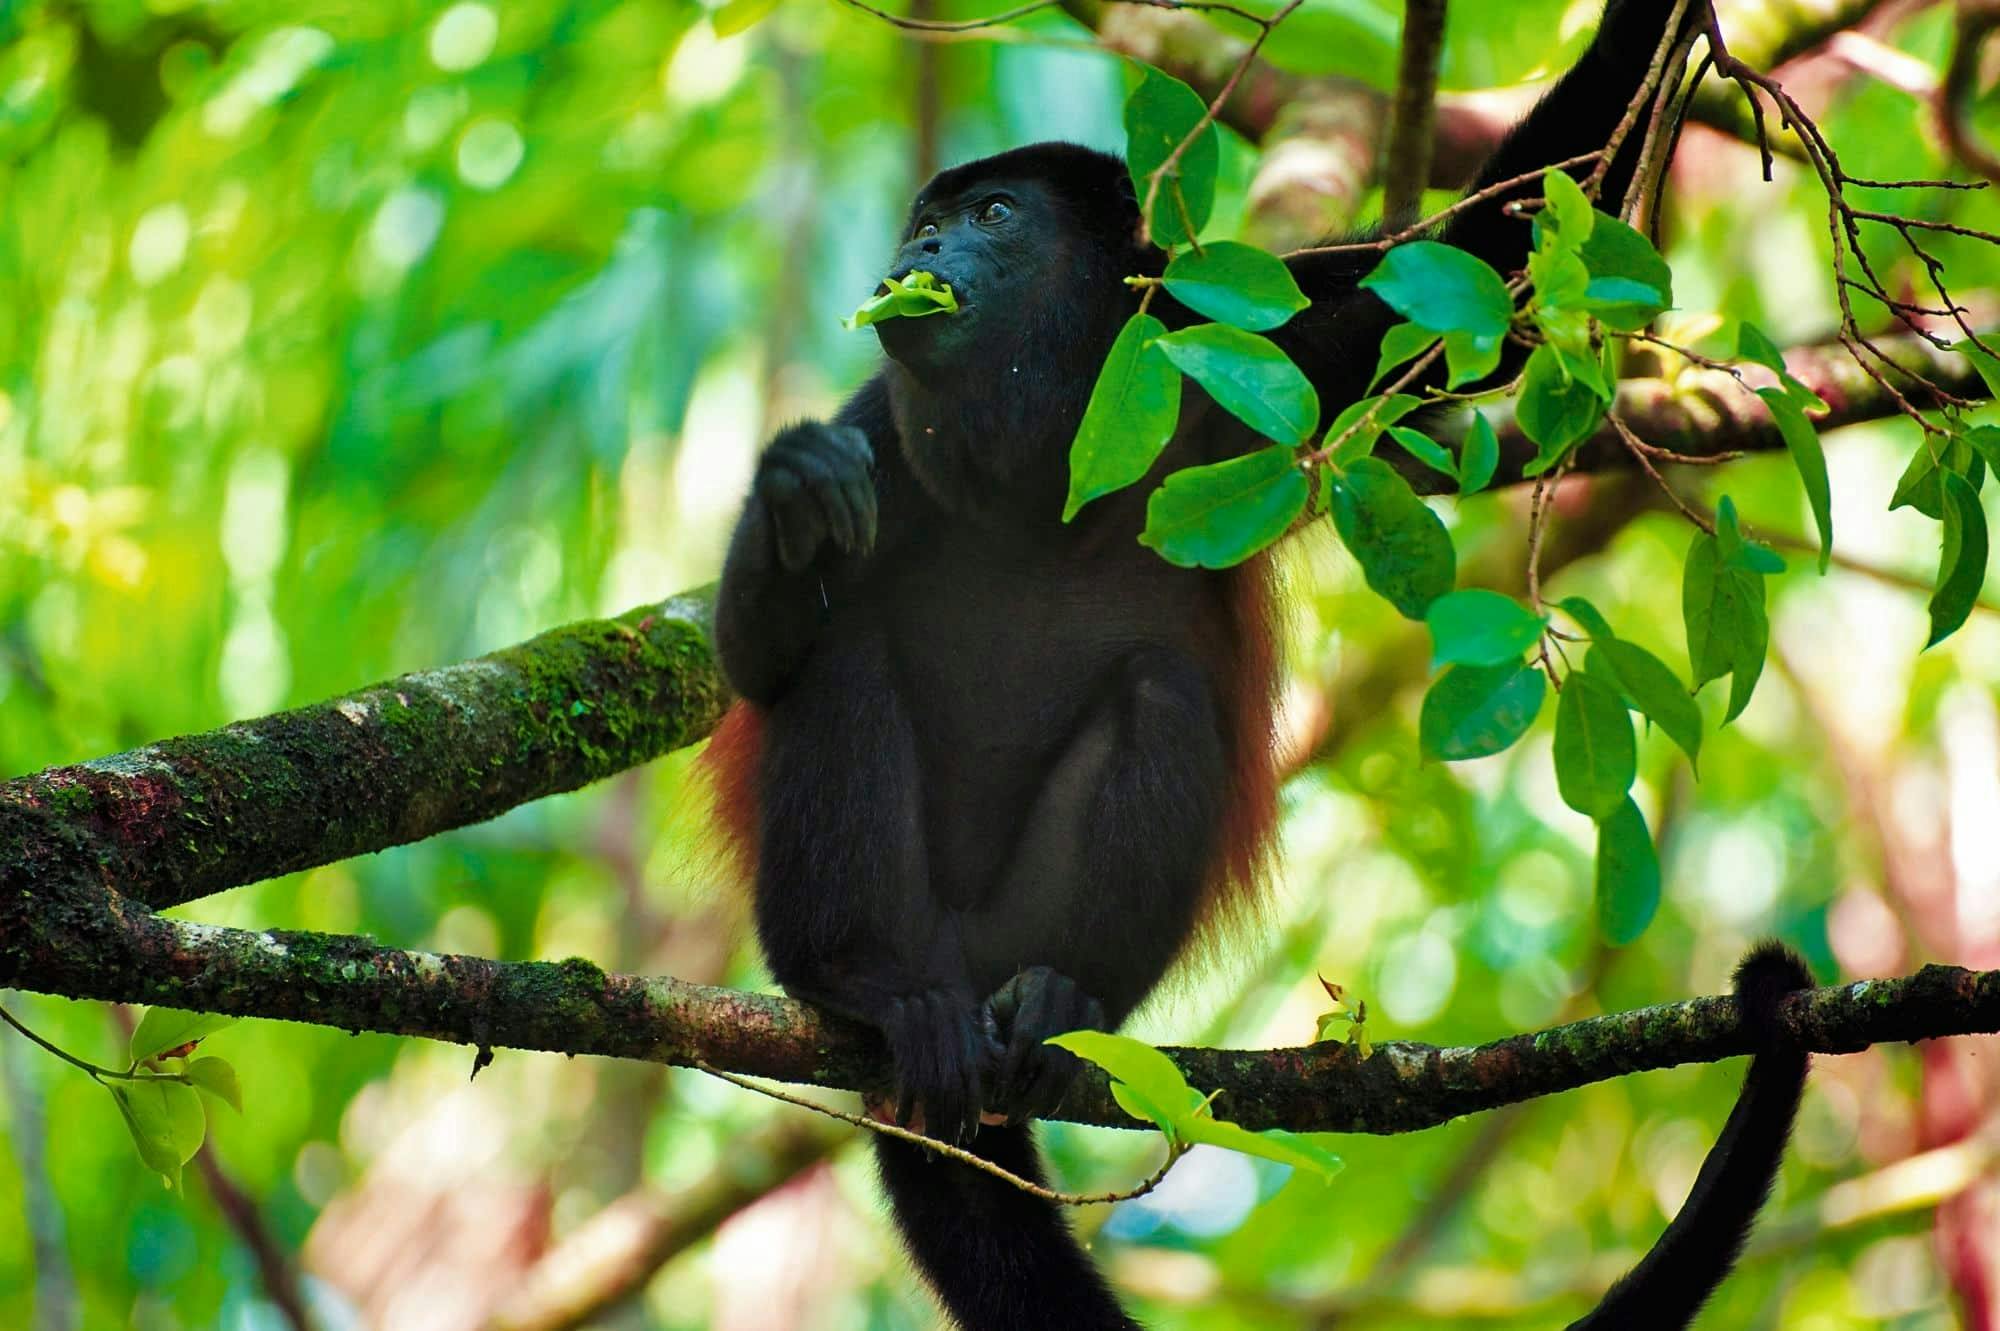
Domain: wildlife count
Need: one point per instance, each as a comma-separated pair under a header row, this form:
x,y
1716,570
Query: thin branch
x,y
1406,166
951,1152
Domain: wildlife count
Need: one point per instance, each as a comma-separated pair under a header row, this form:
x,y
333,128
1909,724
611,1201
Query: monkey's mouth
x,y
960,292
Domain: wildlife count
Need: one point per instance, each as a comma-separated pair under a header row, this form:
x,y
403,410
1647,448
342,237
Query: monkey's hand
x,y
939,1042
1028,1077
814,484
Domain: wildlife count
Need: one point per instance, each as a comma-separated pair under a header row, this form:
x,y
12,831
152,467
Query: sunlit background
x,y
344,339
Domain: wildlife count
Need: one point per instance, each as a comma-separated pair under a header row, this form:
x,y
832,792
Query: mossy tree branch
x,y
85,941
404,760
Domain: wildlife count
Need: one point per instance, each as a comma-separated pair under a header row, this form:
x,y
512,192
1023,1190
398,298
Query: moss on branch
x,y
404,760
90,943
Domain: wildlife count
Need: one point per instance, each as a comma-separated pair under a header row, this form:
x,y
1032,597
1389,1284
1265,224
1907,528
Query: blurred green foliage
x,y
342,339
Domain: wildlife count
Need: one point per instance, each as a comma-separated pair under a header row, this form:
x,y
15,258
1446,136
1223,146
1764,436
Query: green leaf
x,y
1650,685
1555,409
1752,345
914,296
1568,218
1249,376
1133,409
1161,112
1387,411
1597,755
1479,457
166,1121
1737,550
1984,441
1287,1148
1402,343
164,1028
1727,630
1962,561
737,15
1586,616
1236,284
1403,548
1629,281
1920,487
1628,875
1425,449
1470,356
1443,288
1984,361
1560,282
1147,1071
1221,514
1479,627
218,1078
1475,711
1802,441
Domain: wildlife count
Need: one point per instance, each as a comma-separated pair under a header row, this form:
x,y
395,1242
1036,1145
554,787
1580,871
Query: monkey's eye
x,y
927,229
995,212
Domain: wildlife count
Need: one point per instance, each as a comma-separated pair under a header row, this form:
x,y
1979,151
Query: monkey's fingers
x,y
821,480
797,528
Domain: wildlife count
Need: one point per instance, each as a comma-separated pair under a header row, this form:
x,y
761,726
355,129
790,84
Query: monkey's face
x,y
1016,262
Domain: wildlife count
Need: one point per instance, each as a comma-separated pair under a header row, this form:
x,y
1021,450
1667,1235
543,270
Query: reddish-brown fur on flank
x,y
730,764
1249,821
1250,818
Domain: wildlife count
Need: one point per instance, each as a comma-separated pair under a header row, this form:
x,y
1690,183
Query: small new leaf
x,y
1480,456
162,1029
912,297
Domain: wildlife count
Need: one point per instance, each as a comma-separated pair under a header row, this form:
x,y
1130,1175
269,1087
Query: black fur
x,y
999,752
1670,1284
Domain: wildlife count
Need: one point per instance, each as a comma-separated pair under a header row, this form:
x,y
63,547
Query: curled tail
x,y
1669,1285
999,1259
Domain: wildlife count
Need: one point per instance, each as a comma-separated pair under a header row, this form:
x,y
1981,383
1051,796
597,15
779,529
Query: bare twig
x,y
957,1153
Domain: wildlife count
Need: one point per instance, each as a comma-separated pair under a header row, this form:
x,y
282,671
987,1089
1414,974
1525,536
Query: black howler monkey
x,y
996,770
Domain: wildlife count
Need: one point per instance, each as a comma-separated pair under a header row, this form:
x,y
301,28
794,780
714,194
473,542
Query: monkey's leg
x,y
1106,879
844,906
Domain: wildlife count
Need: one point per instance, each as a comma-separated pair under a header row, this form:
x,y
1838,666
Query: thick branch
x,y
611,1256
91,943
398,762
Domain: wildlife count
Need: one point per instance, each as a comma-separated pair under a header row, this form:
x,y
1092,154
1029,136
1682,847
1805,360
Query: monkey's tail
x,y
999,1259
1669,1285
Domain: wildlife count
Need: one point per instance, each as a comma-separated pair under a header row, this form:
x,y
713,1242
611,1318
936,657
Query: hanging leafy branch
x,y
1592,287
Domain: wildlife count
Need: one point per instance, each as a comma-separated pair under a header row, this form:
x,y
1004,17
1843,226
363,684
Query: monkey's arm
x,y
811,514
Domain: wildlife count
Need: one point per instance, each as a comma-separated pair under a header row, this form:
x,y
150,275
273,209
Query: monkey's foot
x,y
1027,1078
